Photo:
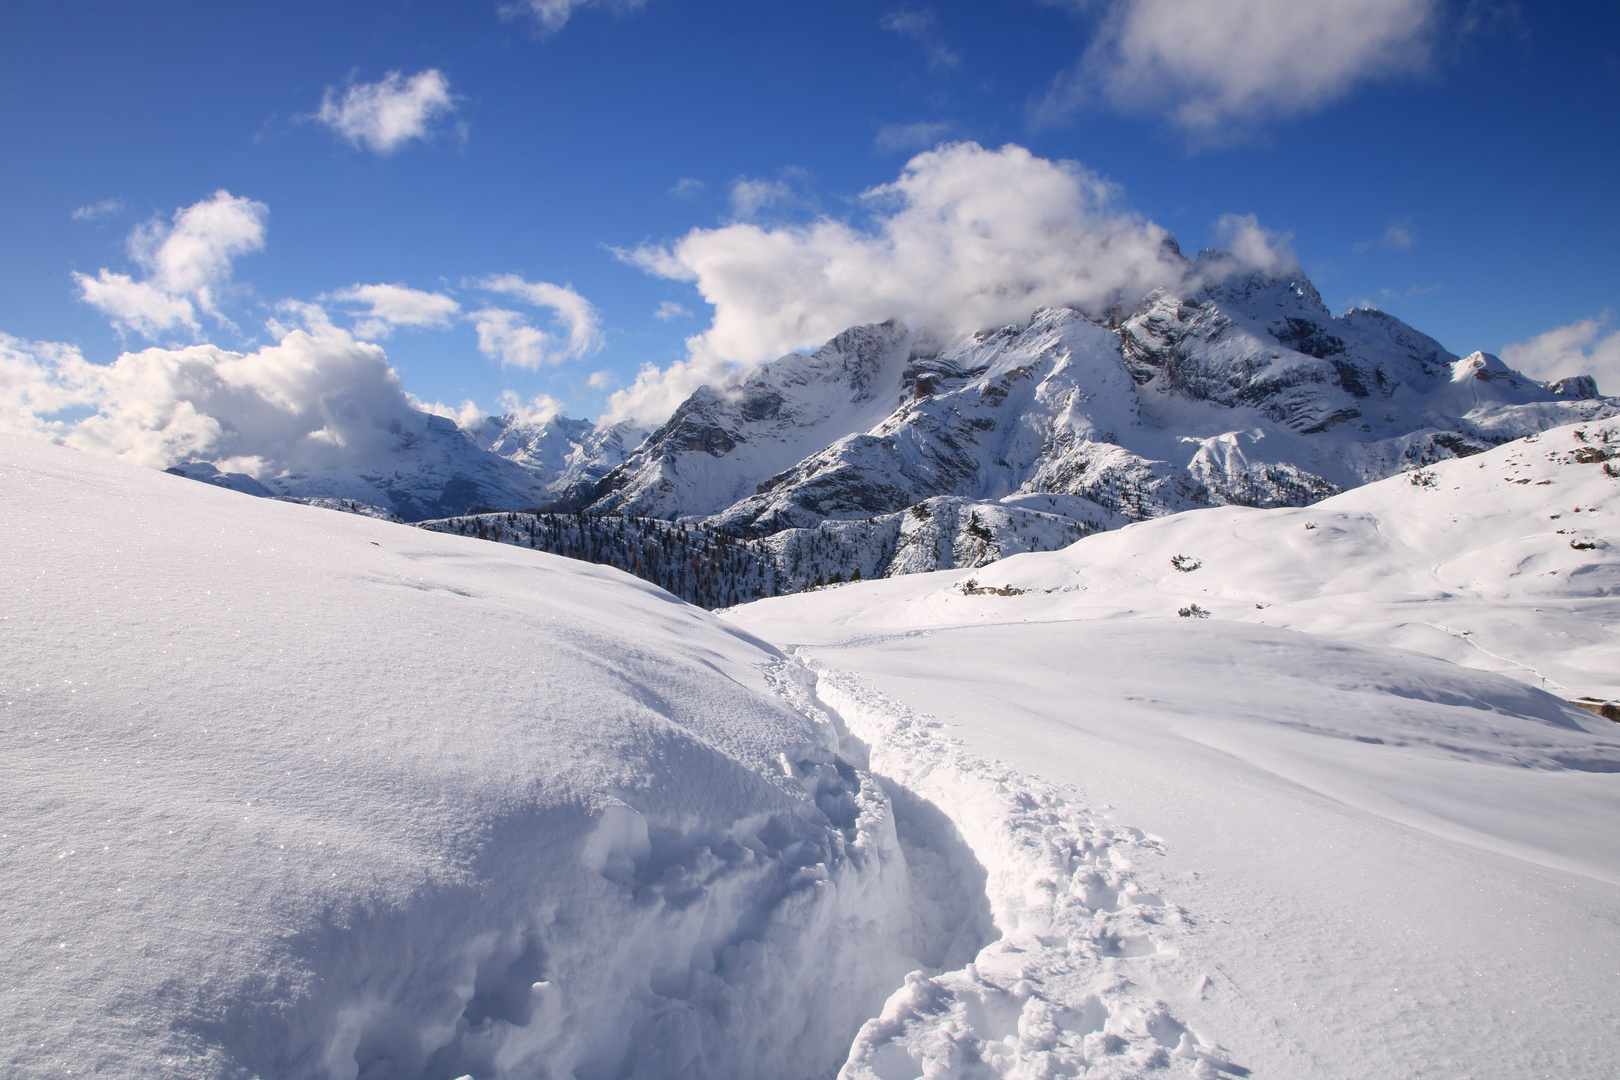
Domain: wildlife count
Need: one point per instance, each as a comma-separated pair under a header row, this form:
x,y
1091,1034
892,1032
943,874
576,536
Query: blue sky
x,y
1455,164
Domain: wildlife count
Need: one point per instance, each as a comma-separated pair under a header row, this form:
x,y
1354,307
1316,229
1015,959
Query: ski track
x,y
1085,943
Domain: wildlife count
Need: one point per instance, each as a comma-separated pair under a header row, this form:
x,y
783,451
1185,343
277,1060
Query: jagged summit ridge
x,y
1244,390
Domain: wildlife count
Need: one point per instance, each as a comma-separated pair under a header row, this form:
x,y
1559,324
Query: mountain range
x,y
893,450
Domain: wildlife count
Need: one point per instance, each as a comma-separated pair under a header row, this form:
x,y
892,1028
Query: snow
x,y
1364,861
296,793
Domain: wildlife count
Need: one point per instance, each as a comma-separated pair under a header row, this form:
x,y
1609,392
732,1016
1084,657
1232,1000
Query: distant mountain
x,y
1247,391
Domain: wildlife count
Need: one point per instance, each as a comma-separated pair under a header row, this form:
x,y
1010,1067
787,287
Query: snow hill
x,y
1365,861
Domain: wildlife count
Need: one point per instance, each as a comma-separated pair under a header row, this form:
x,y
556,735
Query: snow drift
x,y
302,794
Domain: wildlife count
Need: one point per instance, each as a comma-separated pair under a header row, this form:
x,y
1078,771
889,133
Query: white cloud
x,y
385,115
966,238
38,381
507,336
687,188
390,306
551,16
792,189
1254,247
135,305
1398,237
669,309
187,263
1214,67
540,409
504,334
601,380
467,416
98,210
316,399
1580,348
922,27
918,136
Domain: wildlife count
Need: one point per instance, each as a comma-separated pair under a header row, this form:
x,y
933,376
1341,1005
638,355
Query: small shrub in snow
x,y
1193,611
1422,478
1185,563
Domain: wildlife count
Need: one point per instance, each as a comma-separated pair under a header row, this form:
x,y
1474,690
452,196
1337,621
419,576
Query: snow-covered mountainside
x,y
428,467
1247,393
1507,561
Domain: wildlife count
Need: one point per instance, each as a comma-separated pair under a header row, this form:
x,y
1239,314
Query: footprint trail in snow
x,y
1083,940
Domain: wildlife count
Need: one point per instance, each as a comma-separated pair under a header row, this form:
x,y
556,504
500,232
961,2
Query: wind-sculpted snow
x,y
300,794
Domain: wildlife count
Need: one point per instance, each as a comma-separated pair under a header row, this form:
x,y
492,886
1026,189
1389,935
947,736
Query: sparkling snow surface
x,y
1356,860
291,793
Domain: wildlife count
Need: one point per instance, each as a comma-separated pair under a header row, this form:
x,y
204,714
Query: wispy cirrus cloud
x,y
187,261
923,28
387,307
385,115
95,211
550,16
1215,70
892,138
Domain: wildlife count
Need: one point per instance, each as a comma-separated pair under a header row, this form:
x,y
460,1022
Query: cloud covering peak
x,y
966,238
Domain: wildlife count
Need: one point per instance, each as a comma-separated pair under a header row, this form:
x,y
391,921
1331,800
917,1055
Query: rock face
x,y
1243,390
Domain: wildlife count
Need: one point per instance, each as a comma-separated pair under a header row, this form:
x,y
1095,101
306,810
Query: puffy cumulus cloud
x,y
41,380
1249,247
1215,67
540,409
136,306
391,306
385,115
509,337
966,238
1580,348
316,399
550,16
187,263
669,309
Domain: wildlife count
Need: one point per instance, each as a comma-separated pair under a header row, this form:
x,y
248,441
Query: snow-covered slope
x,y
1372,862
299,794
1507,561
